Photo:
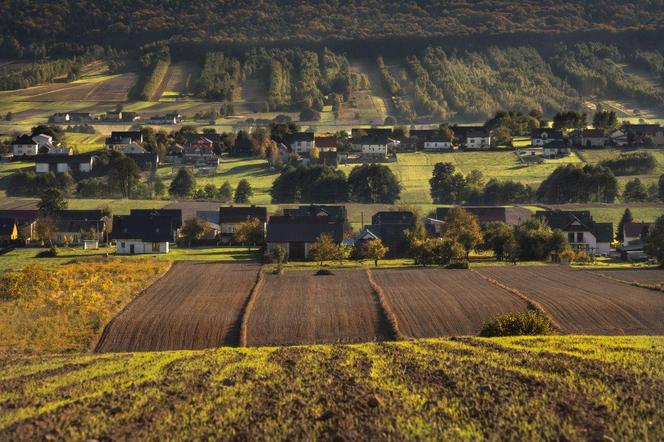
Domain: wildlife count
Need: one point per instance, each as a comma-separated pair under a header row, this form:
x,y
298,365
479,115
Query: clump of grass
x,y
529,323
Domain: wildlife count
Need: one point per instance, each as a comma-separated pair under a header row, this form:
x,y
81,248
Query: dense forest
x,y
31,26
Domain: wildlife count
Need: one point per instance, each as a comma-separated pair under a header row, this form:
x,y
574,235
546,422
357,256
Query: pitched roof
x,y
423,134
549,134
25,139
556,144
327,142
562,219
337,212
633,229
376,131
7,226
371,139
593,133
149,228
300,136
577,221
487,214
394,217
239,214
61,158
82,215
303,229
22,217
174,214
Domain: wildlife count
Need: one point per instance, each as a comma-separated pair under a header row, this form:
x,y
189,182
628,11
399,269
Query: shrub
x,y
459,265
324,272
50,253
529,323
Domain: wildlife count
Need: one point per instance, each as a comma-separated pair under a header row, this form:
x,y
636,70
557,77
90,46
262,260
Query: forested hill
x,y
31,26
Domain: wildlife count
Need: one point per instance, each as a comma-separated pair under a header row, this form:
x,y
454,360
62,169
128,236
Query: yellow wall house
x,y
8,231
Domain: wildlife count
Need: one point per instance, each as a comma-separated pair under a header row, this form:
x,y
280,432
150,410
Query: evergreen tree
x,y
184,183
225,193
243,192
626,218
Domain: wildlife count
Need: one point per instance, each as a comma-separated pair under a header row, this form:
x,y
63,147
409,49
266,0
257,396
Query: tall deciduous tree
x,y
194,229
225,193
249,232
323,249
125,174
462,227
374,183
447,185
606,120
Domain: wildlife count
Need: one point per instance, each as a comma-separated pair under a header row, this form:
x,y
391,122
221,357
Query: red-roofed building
x,y
326,144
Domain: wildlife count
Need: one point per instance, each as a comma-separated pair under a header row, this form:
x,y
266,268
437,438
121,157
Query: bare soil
x,y
301,308
583,303
194,306
435,302
652,277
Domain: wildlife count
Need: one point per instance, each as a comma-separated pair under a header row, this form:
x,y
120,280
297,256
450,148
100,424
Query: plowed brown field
x,y
647,277
194,306
301,308
584,303
435,302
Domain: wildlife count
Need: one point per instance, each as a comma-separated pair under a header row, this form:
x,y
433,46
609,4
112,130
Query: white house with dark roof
x,y
580,230
136,234
301,142
543,135
24,145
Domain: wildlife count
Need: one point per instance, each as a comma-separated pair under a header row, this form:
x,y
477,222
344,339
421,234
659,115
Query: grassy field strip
x,y
572,387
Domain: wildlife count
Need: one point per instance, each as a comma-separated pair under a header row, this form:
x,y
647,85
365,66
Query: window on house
x,y
155,246
579,237
122,245
570,237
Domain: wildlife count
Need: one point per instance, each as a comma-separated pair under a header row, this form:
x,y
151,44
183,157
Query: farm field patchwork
x,y
436,302
583,303
528,388
196,305
299,307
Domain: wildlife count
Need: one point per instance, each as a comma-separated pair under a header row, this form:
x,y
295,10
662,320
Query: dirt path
x,y
194,306
583,303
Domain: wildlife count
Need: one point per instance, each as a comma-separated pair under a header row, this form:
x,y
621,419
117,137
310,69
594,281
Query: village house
x,y
55,150
199,148
174,215
26,221
618,138
296,234
70,117
580,230
326,143
74,226
638,133
542,136
230,217
172,118
634,231
437,143
373,146
335,212
556,149
593,138
43,140
121,139
301,142
142,233
8,231
390,228
64,163
24,145
478,139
